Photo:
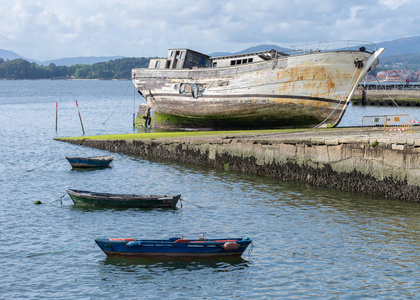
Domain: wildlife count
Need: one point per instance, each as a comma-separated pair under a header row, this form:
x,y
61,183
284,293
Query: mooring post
x,y
363,97
56,116
81,123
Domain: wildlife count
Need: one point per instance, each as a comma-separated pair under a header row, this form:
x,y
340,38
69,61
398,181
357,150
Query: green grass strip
x,y
176,134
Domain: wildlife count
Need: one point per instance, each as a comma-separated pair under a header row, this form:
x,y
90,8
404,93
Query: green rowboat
x,y
87,198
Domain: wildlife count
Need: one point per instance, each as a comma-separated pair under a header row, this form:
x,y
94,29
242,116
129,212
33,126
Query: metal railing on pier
x,y
389,85
387,124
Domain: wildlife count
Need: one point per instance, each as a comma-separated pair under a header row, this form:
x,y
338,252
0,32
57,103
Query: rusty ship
x,y
310,85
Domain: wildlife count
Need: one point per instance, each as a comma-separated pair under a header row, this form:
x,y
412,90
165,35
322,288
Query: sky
x,y
51,29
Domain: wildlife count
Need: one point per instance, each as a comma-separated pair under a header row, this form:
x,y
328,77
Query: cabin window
x,y
182,54
250,60
172,53
232,62
214,64
238,62
177,55
168,64
244,61
157,65
203,61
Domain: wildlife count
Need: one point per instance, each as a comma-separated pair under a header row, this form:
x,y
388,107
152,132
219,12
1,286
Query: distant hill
x,y
394,48
6,54
87,60
401,61
250,50
408,45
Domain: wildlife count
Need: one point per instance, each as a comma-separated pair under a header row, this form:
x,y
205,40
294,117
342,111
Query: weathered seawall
x,y
387,98
376,165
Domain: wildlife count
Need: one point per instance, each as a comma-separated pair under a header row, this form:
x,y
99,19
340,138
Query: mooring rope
x,y
117,104
250,248
347,89
50,163
374,75
339,103
59,198
191,203
276,248
341,100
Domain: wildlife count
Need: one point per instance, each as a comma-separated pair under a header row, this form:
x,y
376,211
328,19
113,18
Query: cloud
x,y
394,4
48,29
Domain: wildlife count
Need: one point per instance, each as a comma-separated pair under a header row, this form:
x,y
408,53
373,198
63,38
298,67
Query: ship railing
x,y
332,46
387,124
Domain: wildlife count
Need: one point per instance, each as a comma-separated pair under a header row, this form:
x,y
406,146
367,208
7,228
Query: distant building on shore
x,y
395,75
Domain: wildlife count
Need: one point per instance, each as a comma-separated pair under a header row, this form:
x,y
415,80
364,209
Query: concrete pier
x,y
387,97
340,158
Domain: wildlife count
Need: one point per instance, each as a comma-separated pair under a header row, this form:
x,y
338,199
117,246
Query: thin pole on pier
x,y
134,107
81,123
56,116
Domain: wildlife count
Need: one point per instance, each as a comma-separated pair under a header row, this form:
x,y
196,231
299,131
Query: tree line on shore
x,y
121,68
113,69
402,61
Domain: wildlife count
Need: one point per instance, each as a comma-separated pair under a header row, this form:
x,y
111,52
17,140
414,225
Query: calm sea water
x,y
309,242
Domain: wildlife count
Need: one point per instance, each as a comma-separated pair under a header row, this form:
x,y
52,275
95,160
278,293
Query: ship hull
x,y
309,90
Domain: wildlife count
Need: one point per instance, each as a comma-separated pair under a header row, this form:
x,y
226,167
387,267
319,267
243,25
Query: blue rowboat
x,y
87,198
90,162
173,248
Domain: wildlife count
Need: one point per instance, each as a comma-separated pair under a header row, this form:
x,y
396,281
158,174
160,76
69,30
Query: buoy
x,y
37,202
230,246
